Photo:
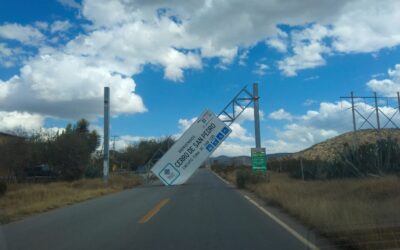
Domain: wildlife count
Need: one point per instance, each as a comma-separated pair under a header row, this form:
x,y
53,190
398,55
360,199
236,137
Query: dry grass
x,y
363,213
26,199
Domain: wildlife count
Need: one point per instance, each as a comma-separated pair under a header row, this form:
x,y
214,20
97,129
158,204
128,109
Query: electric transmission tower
x,y
373,117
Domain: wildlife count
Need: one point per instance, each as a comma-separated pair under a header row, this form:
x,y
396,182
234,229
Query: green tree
x,y
71,150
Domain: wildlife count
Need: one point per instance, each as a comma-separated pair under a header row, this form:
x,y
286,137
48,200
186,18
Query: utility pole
x,y
256,116
106,142
398,100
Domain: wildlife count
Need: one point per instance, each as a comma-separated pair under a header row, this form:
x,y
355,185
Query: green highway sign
x,y
258,159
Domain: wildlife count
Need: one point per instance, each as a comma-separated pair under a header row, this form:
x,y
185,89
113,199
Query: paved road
x,y
205,213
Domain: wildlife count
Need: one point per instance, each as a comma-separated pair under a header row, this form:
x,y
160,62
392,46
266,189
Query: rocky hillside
x,y
329,149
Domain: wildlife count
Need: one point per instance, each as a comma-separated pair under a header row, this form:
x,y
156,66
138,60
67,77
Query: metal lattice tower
x,y
376,112
236,106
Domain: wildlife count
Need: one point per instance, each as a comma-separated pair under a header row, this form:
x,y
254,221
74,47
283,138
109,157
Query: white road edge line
x,y
274,218
282,224
222,179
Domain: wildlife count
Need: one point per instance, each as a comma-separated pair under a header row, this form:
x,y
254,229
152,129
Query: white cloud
x,y
124,141
60,26
256,21
311,78
329,120
240,133
107,13
378,75
12,121
123,36
70,3
9,57
67,86
138,43
305,135
184,124
367,26
261,68
176,62
232,149
248,115
351,30
387,87
281,146
243,57
24,34
281,114
279,42
41,25
308,49
309,102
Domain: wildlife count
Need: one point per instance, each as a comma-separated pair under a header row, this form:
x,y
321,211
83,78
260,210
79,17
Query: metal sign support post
x,y
256,116
106,141
258,156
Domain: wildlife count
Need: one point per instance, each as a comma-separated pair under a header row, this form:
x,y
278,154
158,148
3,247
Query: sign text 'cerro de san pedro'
x,y
191,150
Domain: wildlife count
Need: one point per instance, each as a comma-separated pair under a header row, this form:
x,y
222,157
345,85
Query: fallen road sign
x,y
198,142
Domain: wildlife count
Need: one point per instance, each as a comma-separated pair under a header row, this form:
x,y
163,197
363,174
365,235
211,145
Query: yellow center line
x,y
153,211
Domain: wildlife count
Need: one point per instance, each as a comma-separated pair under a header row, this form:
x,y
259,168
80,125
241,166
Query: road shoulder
x,y
308,234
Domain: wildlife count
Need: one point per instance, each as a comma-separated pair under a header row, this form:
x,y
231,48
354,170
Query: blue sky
x,y
167,62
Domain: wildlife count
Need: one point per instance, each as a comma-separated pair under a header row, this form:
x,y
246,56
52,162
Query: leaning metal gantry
x,y
228,115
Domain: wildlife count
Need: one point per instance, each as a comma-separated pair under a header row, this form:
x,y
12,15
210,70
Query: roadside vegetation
x,y
353,213
23,199
354,199
41,171
371,159
67,152
72,153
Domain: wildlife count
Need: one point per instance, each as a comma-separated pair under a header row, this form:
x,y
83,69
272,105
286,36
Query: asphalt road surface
x,y
204,213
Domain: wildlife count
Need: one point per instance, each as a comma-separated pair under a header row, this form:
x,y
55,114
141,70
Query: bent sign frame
x,y
198,142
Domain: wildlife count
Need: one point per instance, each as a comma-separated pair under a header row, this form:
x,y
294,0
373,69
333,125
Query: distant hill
x,y
242,160
278,155
328,150
231,161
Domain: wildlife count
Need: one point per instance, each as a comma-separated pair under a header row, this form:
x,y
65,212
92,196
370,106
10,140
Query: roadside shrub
x,y
245,177
242,177
369,159
3,188
93,172
312,170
